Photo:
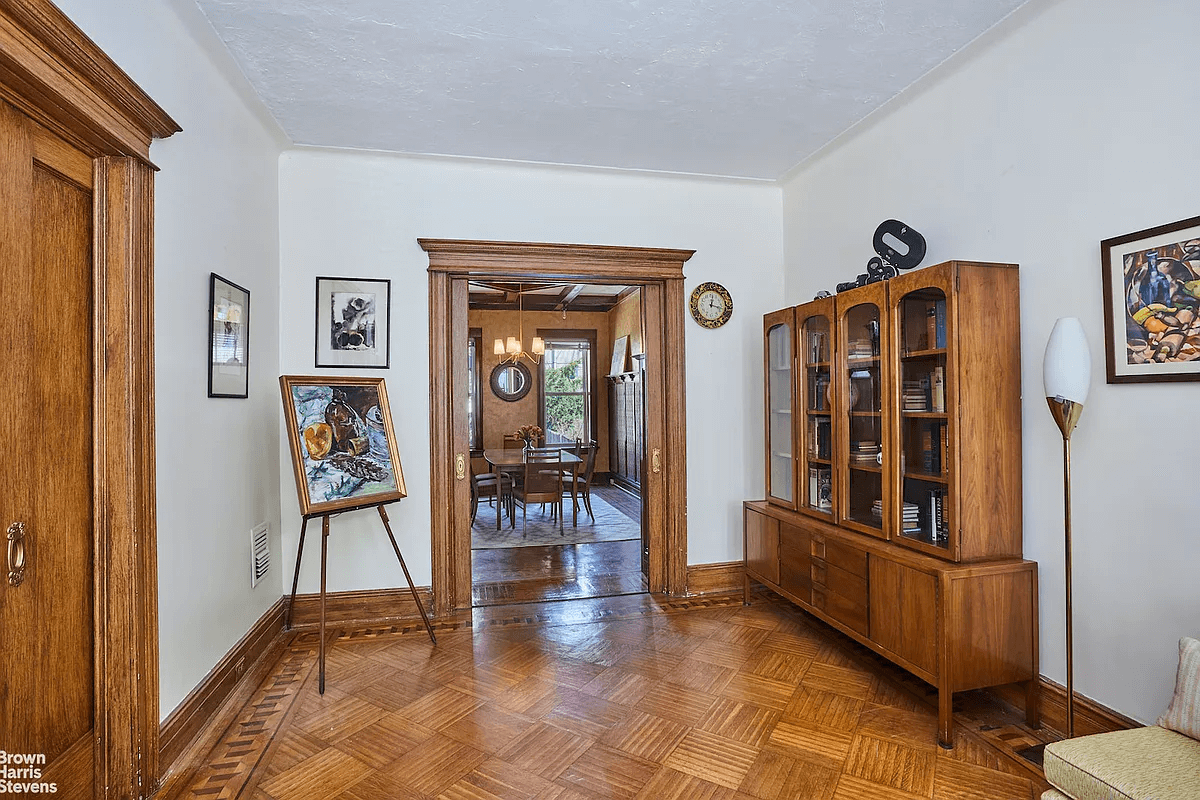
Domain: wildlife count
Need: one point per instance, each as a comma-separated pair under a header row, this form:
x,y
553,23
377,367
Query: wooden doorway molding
x,y
53,73
659,272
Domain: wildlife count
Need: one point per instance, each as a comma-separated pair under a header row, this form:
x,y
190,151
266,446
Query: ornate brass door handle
x,y
16,553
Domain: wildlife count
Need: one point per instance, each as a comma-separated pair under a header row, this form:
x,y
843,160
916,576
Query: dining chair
x,y
543,484
583,482
493,485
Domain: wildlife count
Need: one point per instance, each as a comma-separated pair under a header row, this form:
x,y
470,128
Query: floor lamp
x,y
1066,375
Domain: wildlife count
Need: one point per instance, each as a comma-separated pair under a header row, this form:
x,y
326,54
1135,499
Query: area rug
x,y
610,526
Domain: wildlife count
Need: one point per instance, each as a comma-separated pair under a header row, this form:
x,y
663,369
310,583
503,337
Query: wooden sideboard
x,y
955,626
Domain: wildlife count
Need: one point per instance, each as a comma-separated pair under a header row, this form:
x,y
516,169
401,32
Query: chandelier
x,y
513,349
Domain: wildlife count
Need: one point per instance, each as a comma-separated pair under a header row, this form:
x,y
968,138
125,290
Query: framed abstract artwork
x,y
353,322
342,443
1152,304
228,338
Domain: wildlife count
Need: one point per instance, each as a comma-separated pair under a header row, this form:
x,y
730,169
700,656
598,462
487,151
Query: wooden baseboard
x,y
365,606
1090,716
721,578
197,710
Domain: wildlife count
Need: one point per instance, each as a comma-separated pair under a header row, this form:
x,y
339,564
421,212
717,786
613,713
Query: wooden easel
x,y
324,548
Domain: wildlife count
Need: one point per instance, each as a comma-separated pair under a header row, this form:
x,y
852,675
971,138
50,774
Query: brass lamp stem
x,y
1066,413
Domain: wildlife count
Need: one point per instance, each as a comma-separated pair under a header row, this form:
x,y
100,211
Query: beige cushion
x,y
1183,714
1141,764
1054,794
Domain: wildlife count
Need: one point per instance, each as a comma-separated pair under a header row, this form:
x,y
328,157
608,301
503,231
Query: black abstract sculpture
x,y
890,260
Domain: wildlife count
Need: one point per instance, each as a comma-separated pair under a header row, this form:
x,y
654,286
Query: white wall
x,y
360,214
216,210
1072,122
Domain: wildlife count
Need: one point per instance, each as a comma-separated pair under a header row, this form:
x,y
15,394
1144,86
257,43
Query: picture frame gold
x,y
342,442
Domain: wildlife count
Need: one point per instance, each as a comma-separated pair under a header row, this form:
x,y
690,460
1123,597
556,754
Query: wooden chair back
x,y
543,474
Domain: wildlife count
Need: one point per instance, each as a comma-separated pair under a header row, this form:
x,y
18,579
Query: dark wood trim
x,y
366,606
476,335
126,576
1090,716
660,273
589,335
555,261
722,578
54,73
199,708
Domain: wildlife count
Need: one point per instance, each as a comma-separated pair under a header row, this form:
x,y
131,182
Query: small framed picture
x,y
1152,304
342,442
353,322
228,338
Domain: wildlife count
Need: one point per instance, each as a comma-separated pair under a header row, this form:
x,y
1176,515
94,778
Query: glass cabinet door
x,y
925,436
862,383
779,332
815,321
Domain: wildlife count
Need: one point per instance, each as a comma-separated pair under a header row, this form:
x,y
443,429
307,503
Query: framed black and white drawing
x,y
353,322
228,338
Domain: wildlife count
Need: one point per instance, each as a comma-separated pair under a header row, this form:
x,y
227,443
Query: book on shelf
x,y
930,326
820,393
820,487
816,347
912,396
937,387
935,522
820,437
859,349
939,311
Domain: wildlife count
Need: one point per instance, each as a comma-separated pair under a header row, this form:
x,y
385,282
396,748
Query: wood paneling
x,y
196,711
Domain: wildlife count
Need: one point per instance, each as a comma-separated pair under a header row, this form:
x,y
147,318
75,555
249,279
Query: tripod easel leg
x,y
383,515
321,651
287,622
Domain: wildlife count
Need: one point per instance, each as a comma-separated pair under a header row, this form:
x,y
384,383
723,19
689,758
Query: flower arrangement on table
x,y
530,434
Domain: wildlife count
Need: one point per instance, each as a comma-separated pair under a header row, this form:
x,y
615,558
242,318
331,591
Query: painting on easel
x,y
343,445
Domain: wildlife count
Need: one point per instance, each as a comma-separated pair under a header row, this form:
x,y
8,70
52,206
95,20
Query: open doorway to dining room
x,y
562,362
657,274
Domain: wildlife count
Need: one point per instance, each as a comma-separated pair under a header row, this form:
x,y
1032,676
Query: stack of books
x,y
864,452
859,349
910,518
912,396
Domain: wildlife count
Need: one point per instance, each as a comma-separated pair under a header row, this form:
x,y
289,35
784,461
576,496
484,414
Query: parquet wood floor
x,y
629,697
561,572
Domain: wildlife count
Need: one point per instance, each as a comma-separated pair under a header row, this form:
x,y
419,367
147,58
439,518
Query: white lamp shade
x,y
1067,367
514,345
538,346
498,347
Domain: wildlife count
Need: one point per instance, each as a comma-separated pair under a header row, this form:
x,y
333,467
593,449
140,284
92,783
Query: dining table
x,y
514,460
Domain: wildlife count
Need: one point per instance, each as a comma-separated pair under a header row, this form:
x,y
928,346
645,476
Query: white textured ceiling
x,y
744,89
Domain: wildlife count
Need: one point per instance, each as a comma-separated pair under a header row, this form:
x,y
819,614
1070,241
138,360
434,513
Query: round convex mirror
x,y
510,381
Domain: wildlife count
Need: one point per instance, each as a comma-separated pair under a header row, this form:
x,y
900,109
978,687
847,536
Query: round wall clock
x,y
711,305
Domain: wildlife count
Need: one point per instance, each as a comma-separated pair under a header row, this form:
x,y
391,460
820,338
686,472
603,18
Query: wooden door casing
x,y
664,492
55,75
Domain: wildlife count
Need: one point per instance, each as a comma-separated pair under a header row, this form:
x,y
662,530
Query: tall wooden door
x,y
46,473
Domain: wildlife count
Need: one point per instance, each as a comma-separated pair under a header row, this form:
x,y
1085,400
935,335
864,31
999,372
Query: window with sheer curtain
x,y
474,411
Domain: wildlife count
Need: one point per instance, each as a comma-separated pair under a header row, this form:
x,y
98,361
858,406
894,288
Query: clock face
x,y
711,305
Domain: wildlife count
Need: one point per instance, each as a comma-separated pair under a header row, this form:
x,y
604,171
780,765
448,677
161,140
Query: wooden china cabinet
x,y
898,519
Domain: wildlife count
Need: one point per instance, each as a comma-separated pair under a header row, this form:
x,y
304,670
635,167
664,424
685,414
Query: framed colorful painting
x,y
228,338
353,322
1152,304
343,445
